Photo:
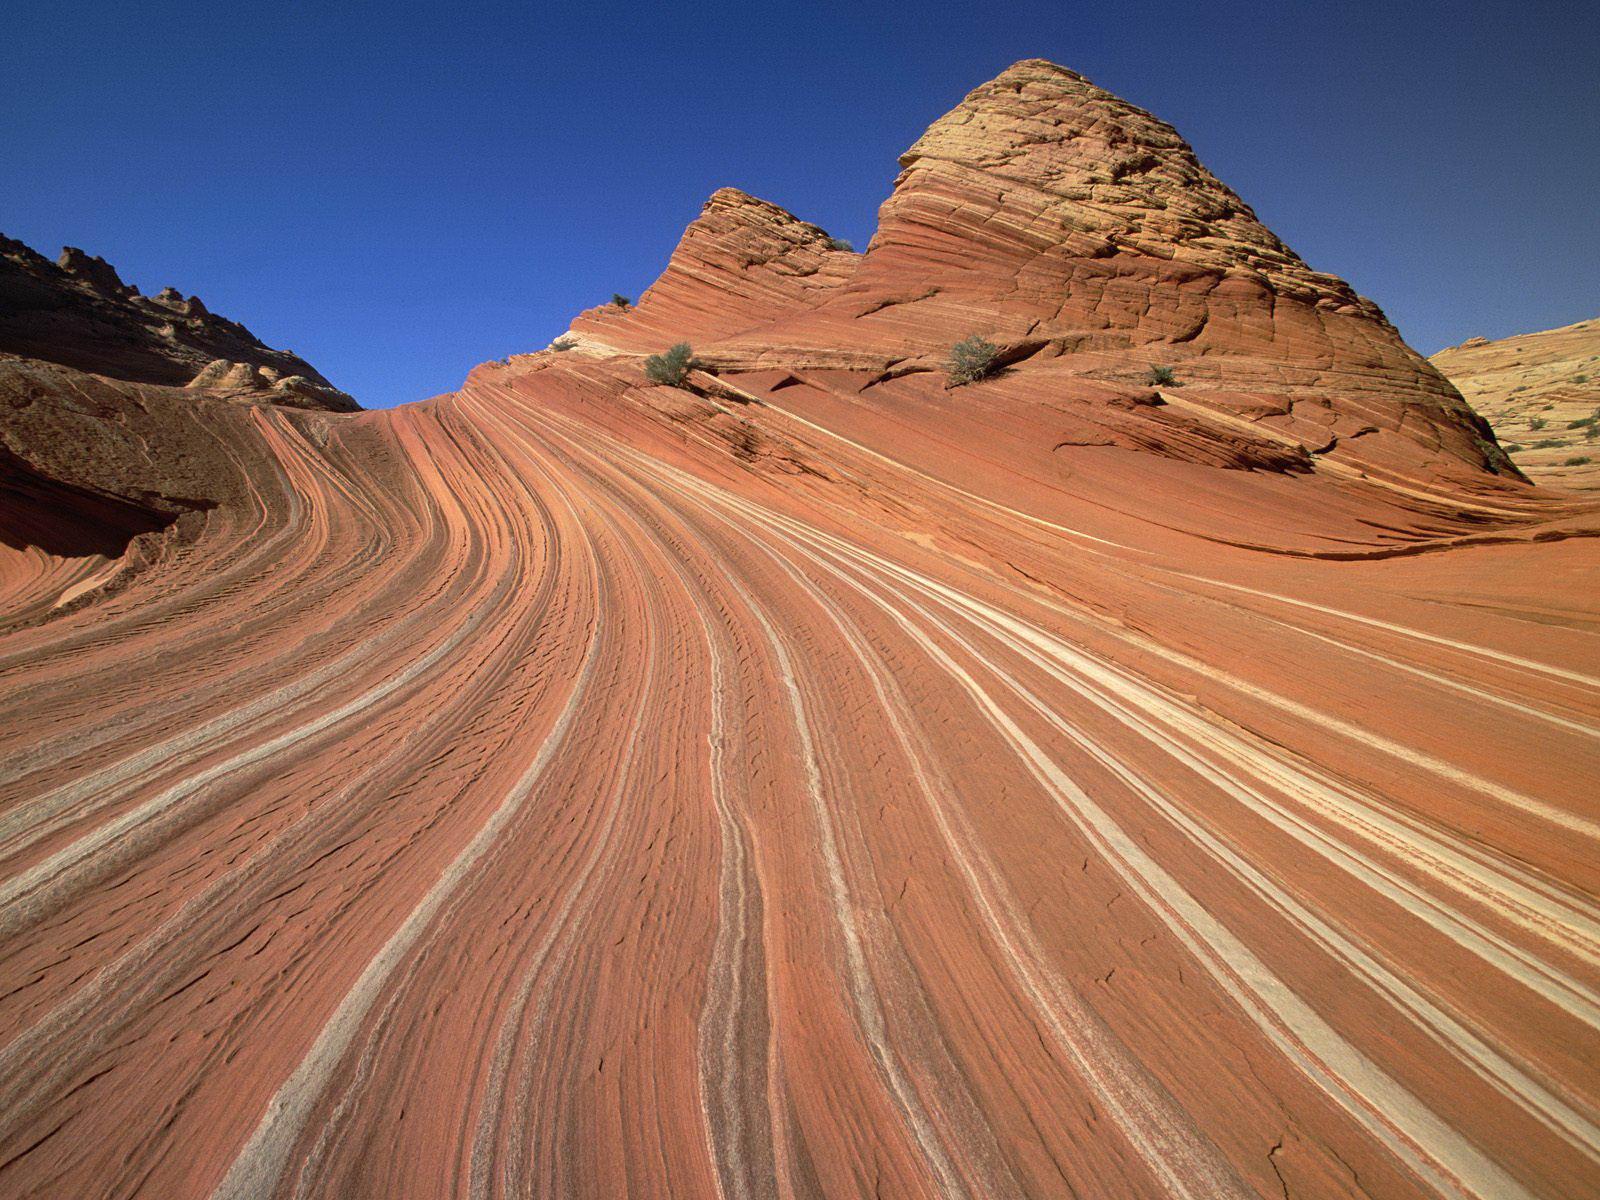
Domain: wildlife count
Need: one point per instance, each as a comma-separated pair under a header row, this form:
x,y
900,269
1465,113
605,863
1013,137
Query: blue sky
x,y
399,191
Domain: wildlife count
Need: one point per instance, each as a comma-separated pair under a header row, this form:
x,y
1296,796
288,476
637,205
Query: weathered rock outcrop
x,y
78,312
1083,236
1541,392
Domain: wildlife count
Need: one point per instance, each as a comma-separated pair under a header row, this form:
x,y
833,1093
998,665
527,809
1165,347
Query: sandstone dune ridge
x,y
1541,392
815,780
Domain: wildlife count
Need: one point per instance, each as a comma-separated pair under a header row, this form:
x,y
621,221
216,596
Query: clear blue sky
x,y
399,191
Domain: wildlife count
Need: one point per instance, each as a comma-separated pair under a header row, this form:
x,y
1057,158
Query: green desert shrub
x,y
671,367
1537,423
971,359
1163,377
621,301
1581,460
841,244
1580,423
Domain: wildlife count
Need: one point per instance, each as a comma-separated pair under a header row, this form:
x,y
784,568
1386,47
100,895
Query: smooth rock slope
x,y
816,780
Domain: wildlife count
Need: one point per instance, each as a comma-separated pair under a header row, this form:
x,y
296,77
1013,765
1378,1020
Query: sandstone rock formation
x,y
78,312
1082,234
1541,392
740,265
816,781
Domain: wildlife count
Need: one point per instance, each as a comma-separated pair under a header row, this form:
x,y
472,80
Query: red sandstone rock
x,y
815,781
1082,235
741,264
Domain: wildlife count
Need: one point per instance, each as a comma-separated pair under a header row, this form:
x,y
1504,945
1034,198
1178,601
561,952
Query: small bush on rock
x,y
621,301
841,244
1163,377
971,359
671,367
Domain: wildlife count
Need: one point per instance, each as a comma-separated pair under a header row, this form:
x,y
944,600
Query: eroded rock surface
x,y
816,781
740,265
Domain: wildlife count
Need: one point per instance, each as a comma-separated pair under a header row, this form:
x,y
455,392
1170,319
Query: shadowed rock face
x,y
78,312
1541,392
107,403
815,781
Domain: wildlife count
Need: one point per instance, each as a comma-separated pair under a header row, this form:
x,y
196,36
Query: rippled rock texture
x,y
816,780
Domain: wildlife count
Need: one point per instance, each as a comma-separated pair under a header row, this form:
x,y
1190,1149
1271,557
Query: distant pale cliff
x,y
1541,392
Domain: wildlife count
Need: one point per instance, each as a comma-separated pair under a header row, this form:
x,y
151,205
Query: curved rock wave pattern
x,y
810,781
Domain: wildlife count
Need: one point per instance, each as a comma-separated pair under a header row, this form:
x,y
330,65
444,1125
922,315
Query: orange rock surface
x,y
816,780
